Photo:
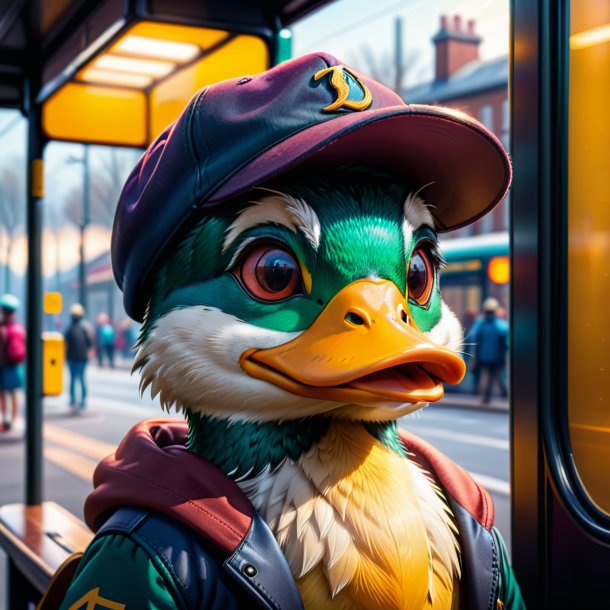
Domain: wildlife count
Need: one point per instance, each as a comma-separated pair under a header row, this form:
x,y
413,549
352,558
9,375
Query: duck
x,y
279,243
293,352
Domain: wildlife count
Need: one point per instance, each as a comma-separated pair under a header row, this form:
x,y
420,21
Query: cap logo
x,y
341,79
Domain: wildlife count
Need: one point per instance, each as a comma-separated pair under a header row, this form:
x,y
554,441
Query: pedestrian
x,y
490,335
128,337
12,354
104,340
79,339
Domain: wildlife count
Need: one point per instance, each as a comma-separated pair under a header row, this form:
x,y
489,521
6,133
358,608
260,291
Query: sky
x,y
345,26
342,28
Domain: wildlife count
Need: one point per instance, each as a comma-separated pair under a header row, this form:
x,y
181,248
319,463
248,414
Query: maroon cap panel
x,y
465,165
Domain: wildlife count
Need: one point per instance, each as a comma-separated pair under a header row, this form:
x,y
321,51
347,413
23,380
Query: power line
x,y
349,28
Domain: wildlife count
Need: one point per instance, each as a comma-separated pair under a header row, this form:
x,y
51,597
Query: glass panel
x,y
589,246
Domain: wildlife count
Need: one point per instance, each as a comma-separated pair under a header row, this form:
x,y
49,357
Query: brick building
x,y
479,88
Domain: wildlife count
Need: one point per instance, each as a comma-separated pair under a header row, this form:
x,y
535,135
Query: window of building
x,y
486,116
505,124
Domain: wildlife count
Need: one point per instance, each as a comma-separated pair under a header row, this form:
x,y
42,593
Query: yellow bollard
x,y
52,350
52,363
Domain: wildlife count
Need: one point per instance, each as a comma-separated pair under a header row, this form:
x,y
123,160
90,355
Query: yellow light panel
x,y
141,46
81,112
108,77
591,37
149,67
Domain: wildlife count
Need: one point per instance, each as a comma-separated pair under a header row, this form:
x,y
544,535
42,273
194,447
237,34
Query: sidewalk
x,y
457,399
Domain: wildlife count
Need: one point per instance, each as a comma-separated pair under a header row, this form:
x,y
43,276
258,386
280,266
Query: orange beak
x,y
362,349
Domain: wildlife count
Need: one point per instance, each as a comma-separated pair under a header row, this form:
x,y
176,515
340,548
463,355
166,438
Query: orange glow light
x,y
498,270
591,37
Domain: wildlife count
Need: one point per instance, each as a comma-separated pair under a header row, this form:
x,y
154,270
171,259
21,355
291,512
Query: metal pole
x,y
398,55
33,393
82,269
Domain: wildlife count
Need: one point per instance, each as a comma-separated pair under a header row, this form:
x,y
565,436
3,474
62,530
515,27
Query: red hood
x,y
451,477
153,468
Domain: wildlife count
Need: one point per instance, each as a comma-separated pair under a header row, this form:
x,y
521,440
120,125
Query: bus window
x,y
589,246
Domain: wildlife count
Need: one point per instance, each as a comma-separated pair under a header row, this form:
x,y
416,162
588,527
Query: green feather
x,y
240,448
387,434
360,211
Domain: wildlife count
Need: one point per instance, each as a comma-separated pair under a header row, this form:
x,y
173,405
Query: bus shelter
x,y
116,72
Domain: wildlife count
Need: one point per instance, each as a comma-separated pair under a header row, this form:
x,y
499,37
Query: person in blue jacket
x,y
490,336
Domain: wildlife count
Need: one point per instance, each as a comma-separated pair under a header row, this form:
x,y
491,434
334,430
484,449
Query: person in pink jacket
x,y
12,354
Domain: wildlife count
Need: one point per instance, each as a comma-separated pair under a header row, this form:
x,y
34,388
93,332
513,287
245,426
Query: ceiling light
x,y
157,48
108,77
150,67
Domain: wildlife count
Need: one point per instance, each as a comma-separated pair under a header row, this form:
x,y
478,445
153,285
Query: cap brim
x,y
464,164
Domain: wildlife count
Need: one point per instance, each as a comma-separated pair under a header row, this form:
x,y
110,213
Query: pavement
x,y
457,399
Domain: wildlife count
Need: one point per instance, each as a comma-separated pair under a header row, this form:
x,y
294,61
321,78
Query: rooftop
x,y
475,77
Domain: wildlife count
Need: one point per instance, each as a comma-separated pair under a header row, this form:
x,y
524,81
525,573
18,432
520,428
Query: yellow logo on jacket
x,y
93,600
340,79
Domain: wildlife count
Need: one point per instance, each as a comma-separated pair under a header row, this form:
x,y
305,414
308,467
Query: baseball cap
x,y
309,111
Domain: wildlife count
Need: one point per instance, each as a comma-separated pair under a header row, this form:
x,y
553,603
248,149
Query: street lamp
x,y
84,223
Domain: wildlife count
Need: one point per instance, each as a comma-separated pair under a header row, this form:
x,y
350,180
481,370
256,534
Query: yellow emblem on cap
x,y
339,82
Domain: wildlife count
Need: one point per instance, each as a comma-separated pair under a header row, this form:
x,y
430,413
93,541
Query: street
x,y
477,439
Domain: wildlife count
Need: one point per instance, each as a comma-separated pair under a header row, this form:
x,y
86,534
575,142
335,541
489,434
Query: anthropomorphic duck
x,y
279,242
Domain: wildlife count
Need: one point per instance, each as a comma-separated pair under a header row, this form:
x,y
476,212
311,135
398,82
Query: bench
x,y
37,539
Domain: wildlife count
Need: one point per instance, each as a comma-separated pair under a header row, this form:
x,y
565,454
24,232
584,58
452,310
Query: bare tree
x,y
106,178
12,210
382,65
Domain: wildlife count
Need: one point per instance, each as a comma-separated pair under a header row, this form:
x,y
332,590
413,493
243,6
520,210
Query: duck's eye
x,y
420,276
270,273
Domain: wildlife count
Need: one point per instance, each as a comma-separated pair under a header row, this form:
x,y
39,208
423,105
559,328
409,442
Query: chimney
x,y
455,46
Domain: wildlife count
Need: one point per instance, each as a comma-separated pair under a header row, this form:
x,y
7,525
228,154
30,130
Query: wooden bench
x,y
37,540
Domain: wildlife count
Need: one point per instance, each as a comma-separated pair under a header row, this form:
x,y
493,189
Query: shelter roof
x,y
47,35
475,77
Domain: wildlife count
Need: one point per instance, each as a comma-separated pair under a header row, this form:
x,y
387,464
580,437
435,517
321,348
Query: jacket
x,y
78,341
198,543
490,334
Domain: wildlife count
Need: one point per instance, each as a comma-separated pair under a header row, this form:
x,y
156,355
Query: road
x,y
476,439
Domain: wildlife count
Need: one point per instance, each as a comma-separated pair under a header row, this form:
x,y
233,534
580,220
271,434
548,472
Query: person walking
x,y
79,339
104,340
490,335
12,354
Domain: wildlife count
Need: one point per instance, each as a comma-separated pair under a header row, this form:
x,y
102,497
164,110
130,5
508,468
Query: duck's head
x,y
279,238
319,294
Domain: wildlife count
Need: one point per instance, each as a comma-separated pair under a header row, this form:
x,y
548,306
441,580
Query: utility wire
x,y
349,28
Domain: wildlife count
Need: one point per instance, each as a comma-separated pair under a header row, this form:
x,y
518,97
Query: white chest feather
x,y
371,520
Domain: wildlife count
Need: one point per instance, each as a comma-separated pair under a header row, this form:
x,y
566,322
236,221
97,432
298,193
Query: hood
x,y
451,477
152,468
